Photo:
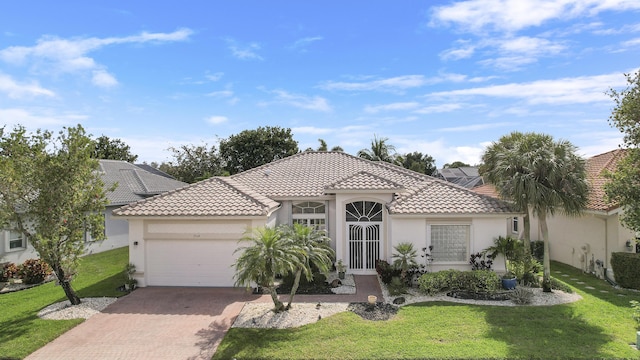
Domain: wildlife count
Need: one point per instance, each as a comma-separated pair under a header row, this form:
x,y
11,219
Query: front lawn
x,y
599,326
22,332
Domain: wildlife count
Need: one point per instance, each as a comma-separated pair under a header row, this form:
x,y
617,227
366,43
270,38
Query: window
x,y
15,240
450,242
363,211
309,213
514,225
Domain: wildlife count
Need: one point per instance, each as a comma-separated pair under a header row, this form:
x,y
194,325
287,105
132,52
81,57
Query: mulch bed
x,y
375,312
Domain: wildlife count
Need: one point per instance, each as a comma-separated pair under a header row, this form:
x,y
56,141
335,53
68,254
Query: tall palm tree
x,y
537,172
314,249
379,151
269,254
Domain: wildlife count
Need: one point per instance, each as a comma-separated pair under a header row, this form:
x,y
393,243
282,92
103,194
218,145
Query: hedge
x,y
626,267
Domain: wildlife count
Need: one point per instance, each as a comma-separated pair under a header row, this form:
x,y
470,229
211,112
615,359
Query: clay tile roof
x,y
364,181
217,196
596,167
488,190
440,197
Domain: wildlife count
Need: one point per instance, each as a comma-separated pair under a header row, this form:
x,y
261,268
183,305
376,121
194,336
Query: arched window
x,y
309,213
367,211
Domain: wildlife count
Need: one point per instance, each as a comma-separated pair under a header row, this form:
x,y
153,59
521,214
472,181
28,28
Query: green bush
x,y
34,271
521,296
626,267
537,250
386,271
559,285
478,281
396,287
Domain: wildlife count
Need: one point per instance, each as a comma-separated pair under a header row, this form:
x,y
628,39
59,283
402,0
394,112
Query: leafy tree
x,y
269,254
315,250
623,186
323,146
380,151
252,148
193,163
417,162
113,149
52,192
535,171
455,165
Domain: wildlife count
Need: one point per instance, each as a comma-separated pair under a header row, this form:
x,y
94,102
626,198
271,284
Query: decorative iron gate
x,y
364,220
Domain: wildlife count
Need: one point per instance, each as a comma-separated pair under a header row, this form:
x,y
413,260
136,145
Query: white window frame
x,y
9,239
307,218
465,259
515,225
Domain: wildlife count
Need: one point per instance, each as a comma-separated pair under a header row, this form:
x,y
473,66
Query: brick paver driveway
x,y
153,323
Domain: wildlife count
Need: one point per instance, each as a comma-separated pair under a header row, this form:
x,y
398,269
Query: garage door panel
x,y
190,262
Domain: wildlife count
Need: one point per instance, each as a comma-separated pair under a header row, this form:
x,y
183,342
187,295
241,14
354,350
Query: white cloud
x,y
442,151
515,15
631,43
373,109
475,127
244,51
217,120
102,78
32,120
311,130
442,108
221,94
304,42
57,55
215,76
390,84
577,90
315,103
16,90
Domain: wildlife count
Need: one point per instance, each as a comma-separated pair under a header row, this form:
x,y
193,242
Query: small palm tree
x,y
313,248
509,247
379,151
269,254
405,258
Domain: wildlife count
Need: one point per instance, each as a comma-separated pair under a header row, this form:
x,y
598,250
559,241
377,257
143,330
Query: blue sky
x,y
442,77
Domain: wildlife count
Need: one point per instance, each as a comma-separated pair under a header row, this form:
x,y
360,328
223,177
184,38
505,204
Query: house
x,y
133,184
585,242
466,176
189,236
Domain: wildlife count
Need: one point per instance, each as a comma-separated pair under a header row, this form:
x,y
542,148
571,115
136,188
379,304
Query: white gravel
x,y
348,284
65,311
261,315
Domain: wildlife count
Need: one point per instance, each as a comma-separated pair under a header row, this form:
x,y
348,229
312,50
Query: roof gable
x,y
364,181
596,166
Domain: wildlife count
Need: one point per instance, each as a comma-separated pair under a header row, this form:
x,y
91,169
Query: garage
x,y
186,262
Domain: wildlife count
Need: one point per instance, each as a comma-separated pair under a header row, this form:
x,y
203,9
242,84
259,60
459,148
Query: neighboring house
x,y
189,236
133,184
585,242
467,176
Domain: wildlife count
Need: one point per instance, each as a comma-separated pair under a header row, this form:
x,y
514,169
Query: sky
x,y
445,78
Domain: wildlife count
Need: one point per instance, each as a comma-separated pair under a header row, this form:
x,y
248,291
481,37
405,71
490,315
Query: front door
x,y
364,223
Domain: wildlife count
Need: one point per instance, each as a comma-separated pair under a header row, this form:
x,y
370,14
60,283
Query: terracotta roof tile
x,y
216,196
595,176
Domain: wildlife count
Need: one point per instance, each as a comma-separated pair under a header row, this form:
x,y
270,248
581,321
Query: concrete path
x,y
170,323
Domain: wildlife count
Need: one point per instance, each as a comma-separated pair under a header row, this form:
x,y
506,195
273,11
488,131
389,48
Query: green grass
x,y
22,332
599,326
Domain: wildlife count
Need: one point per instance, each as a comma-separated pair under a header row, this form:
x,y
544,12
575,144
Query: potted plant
x,y
130,282
341,269
508,247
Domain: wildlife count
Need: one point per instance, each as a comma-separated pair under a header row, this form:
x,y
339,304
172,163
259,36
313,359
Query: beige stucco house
x,y
188,237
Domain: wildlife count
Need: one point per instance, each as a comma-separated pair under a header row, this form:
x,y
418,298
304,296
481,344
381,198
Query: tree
x,y
535,171
623,186
405,258
379,151
455,165
268,255
424,164
252,148
323,146
53,194
193,163
315,251
113,149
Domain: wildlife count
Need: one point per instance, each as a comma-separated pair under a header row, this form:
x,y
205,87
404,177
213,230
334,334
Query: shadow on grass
x,y
105,287
545,332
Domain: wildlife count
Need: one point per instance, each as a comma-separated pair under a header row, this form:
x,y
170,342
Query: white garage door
x,y
190,262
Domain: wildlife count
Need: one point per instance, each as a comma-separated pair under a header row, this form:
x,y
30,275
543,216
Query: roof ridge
x,y
166,193
247,191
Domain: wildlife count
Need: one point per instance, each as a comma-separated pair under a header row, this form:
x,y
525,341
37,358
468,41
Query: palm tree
x,y
379,151
405,258
269,254
314,249
537,172
508,247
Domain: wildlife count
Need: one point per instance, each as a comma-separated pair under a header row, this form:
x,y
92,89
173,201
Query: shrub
x,y
537,250
478,281
521,296
626,267
34,271
396,287
526,269
9,271
559,285
480,261
386,271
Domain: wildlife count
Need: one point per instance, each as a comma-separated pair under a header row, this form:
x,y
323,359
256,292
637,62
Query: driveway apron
x,y
170,323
